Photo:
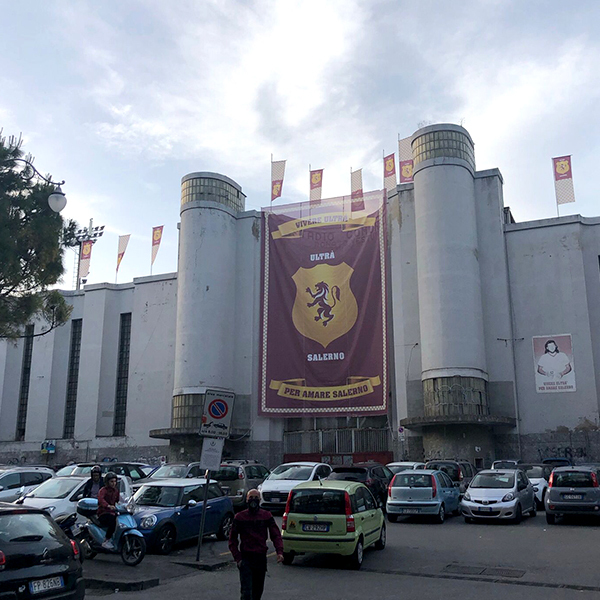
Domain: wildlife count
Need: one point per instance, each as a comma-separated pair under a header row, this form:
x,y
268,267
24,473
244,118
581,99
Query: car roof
x,y
179,481
7,507
25,468
332,484
566,469
303,463
499,471
365,464
420,472
404,462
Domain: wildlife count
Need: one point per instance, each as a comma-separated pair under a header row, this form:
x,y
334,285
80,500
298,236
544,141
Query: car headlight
x,y
467,496
259,488
50,509
148,522
510,496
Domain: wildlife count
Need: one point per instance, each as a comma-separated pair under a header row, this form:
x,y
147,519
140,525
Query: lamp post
x,y
57,199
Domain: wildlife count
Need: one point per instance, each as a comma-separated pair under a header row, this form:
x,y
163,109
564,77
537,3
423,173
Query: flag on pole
x,y
123,241
389,173
356,185
85,255
563,180
405,160
156,237
277,174
316,186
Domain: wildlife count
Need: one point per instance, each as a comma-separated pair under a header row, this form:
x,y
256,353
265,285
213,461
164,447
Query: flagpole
x,y
271,186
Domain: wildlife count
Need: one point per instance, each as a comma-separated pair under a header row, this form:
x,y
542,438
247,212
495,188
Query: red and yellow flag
x,y
316,186
405,160
277,174
389,173
563,179
85,256
358,202
156,238
123,241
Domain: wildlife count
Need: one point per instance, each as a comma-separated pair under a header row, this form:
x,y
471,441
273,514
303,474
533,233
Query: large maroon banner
x,y
323,327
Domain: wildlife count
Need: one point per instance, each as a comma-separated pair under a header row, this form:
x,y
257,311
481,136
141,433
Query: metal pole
x,y
203,518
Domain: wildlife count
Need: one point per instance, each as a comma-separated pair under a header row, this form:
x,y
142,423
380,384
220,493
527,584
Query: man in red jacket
x,y
108,497
253,526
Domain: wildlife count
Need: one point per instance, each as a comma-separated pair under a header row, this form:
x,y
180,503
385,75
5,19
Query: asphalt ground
x,y
422,560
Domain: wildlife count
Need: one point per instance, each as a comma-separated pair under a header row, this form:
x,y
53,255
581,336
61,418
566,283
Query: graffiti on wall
x,y
562,452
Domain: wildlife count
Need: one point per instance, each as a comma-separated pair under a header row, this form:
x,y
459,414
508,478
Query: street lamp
x,y
57,199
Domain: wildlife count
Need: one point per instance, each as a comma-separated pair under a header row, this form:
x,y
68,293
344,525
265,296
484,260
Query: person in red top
x,y
253,525
108,497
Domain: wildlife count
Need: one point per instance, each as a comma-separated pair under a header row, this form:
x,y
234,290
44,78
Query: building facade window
x,y
73,378
122,375
204,188
25,378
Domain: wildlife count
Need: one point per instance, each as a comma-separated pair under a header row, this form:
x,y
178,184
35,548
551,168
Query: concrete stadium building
x,y
495,330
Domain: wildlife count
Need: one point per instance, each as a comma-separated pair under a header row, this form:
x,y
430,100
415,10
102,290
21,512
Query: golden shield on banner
x,y
389,165
407,170
562,167
325,307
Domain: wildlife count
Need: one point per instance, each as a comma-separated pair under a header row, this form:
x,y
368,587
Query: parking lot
x,y
422,560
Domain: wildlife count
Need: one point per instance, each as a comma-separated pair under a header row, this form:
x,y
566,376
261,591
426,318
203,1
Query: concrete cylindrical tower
x,y
454,370
205,293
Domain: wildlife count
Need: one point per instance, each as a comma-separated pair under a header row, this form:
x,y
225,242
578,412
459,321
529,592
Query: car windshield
x,y
451,469
292,472
157,495
168,471
66,471
574,479
226,474
27,528
86,470
399,468
318,502
412,480
348,474
57,487
504,464
534,472
493,481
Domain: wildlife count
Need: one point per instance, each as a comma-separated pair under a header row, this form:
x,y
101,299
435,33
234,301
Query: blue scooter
x,y
127,540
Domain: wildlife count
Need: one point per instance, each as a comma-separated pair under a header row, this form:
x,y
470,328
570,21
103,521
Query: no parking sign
x,y
216,416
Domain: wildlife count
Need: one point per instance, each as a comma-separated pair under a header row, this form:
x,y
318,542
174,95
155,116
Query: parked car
x,y
274,490
499,494
506,464
396,467
558,461
539,475
134,471
332,517
572,490
16,481
459,471
36,557
173,471
376,477
169,511
422,492
239,476
59,496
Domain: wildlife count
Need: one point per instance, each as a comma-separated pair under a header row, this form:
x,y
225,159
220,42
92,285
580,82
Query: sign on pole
x,y
212,450
216,416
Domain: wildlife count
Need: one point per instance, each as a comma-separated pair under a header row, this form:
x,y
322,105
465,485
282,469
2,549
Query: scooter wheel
x,y
133,550
86,551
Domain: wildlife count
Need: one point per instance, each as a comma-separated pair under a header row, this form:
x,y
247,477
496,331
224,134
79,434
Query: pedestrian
x,y
95,484
253,526
108,497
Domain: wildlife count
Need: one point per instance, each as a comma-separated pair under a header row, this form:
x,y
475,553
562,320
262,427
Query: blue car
x,y
169,511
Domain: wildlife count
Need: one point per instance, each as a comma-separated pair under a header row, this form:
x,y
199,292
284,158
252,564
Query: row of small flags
x,y
86,251
563,177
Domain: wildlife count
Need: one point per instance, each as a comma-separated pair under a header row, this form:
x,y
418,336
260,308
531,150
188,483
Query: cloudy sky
x,y
121,99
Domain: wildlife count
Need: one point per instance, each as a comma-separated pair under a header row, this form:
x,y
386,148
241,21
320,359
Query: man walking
x,y
253,525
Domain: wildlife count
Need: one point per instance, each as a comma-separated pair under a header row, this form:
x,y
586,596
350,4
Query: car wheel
x,y
441,516
288,558
518,514
380,543
165,539
356,559
533,512
392,518
225,527
550,519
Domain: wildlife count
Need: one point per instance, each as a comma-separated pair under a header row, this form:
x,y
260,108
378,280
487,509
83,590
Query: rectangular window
x,y
122,375
25,377
73,378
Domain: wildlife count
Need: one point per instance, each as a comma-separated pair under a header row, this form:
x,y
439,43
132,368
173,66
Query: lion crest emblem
x,y
325,307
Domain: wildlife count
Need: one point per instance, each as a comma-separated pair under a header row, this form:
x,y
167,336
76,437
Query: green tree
x,y
32,243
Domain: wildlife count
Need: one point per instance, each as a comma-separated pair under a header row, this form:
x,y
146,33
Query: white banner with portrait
x,y
553,363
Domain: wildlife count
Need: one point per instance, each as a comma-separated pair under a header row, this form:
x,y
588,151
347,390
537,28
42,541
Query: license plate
x,y
321,527
410,511
573,496
44,585
485,509
76,529
275,500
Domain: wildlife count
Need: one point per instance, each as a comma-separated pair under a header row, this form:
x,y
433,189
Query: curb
x,y
123,586
203,566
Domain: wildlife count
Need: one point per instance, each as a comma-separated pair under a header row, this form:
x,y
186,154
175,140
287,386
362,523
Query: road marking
x,y
272,554
223,553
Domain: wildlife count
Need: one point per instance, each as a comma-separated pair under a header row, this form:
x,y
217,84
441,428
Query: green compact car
x,y
332,517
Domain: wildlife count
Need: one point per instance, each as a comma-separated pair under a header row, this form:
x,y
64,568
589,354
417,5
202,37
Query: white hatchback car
x,y
274,490
59,496
16,481
397,467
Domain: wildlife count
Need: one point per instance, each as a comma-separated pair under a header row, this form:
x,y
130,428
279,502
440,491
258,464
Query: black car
x,y
36,558
375,476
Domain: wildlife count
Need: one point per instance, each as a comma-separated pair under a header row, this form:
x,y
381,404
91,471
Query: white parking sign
x,y
212,450
216,416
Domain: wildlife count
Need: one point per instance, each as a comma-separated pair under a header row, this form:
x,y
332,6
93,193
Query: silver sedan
x,y
499,494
